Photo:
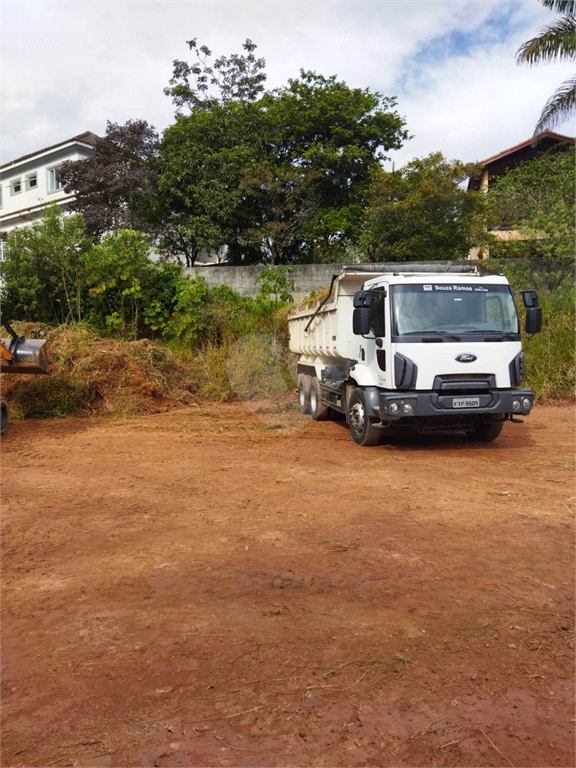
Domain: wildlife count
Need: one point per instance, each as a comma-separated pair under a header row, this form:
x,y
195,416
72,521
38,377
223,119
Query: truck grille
x,y
464,384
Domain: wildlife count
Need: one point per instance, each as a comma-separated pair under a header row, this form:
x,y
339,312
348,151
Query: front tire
x,y
4,416
486,432
362,427
318,410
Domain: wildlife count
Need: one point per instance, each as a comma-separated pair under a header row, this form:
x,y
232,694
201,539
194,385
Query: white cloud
x,y
476,106
70,66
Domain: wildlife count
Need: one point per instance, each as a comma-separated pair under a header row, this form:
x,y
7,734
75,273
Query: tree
x,y
264,172
44,269
237,77
203,161
323,141
115,187
115,272
556,42
421,212
275,285
537,198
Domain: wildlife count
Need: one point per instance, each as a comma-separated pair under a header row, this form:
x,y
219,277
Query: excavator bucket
x,y
28,356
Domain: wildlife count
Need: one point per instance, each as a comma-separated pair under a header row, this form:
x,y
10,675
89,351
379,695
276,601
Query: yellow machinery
x,y
20,355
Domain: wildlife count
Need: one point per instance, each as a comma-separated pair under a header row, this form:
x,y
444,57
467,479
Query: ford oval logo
x,y
466,358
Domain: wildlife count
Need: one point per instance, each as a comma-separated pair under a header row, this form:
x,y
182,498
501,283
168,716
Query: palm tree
x,y
556,42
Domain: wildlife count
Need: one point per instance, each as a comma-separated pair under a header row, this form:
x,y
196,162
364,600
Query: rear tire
x,y
362,427
485,433
304,393
318,410
4,416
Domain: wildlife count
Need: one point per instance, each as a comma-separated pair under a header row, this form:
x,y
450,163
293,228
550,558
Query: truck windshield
x,y
453,309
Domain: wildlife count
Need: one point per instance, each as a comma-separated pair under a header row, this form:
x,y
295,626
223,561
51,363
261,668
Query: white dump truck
x,y
414,346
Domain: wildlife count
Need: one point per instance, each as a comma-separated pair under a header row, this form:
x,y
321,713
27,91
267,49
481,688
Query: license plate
x,y
466,402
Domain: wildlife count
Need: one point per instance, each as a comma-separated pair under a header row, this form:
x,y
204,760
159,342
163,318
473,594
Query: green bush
x,y
549,356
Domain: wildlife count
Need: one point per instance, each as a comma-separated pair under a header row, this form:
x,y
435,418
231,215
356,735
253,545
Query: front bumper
x,y
495,403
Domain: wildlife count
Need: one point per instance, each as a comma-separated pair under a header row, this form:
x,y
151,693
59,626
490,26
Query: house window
x,y
54,181
16,186
31,181
1,201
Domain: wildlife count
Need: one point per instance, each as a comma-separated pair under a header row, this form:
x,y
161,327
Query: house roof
x,y
84,138
498,164
533,141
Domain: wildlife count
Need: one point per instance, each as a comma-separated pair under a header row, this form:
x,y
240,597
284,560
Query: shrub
x,y
549,356
257,367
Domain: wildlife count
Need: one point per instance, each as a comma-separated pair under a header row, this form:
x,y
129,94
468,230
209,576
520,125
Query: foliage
x,y
266,174
324,140
256,366
421,212
114,187
203,159
549,355
275,285
556,42
115,270
538,199
44,269
239,77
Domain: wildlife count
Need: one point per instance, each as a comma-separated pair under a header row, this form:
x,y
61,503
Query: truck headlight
x,y
408,408
515,405
393,407
527,403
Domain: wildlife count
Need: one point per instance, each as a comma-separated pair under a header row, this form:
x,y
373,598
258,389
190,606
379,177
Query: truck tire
x,y
4,416
304,392
362,427
318,410
485,433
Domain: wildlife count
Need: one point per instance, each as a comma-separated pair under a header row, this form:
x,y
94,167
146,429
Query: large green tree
x,y
556,42
422,212
276,176
323,141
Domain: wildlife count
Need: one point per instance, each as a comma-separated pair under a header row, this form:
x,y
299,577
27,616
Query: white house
x,y
32,182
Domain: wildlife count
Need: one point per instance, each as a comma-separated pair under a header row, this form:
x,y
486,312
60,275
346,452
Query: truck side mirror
x,y
361,321
529,298
363,299
533,319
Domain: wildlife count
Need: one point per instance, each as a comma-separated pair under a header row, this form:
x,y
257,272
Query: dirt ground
x,y
220,586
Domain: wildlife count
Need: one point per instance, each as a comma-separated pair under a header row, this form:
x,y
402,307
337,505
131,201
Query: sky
x,y
70,65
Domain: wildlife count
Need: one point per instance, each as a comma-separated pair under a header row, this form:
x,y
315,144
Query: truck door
x,y
377,347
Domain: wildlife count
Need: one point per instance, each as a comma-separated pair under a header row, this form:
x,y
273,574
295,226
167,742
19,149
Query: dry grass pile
x,y
94,374
312,301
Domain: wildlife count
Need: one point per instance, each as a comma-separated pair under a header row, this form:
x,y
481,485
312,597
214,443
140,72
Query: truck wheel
x,y
304,393
4,416
362,426
486,432
318,410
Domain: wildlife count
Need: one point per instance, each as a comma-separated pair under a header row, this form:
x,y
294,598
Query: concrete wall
x,y
307,277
